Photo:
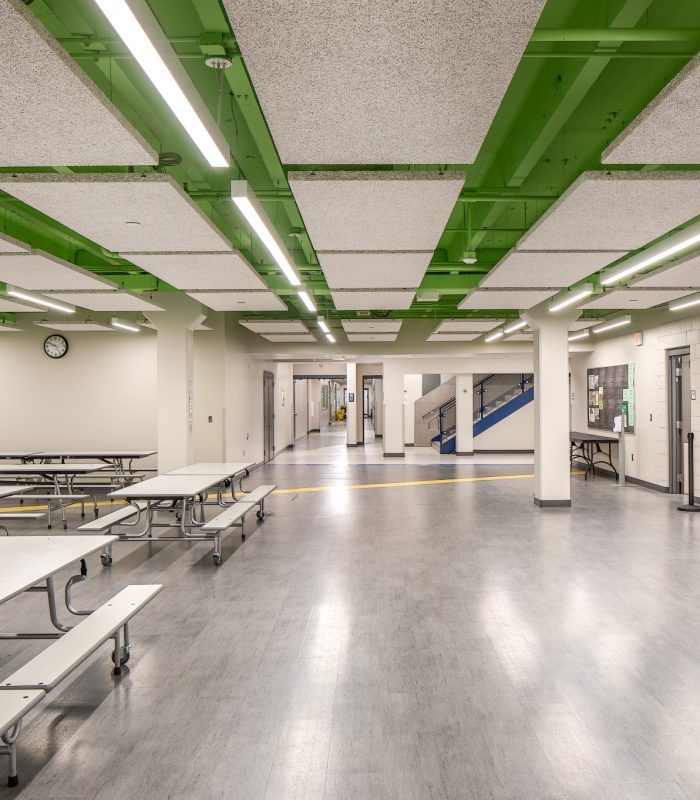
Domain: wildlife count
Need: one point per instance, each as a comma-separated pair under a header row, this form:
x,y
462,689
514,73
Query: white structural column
x,y
351,410
465,414
393,439
552,423
175,381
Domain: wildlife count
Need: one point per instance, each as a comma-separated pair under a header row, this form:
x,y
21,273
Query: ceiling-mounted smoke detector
x,y
218,62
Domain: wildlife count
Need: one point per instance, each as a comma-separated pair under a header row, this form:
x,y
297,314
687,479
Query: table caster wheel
x,y
106,559
65,526
12,781
261,515
97,513
217,559
243,537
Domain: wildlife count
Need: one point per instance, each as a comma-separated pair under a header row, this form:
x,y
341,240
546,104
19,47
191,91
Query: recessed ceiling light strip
x,y
39,300
617,322
568,298
307,301
685,302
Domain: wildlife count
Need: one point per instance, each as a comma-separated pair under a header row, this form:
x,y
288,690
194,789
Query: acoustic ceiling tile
x,y
290,337
465,325
667,130
374,80
41,271
201,270
580,324
75,327
6,327
124,212
52,113
621,210
107,301
371,325
683,274
372,337
505,298
546,268
519,337
372,301
453,337
631,299
363,211
8,244
239,301
274,325
13,307
382,270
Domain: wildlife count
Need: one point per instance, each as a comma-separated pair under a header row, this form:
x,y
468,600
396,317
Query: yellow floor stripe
x,y
304,489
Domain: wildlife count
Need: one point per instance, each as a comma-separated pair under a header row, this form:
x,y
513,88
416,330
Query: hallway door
x,y
268,416
679,417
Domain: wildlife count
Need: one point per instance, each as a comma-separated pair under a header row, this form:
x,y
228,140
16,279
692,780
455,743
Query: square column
x,y
175,402
465,414
394,409
552,423
351,410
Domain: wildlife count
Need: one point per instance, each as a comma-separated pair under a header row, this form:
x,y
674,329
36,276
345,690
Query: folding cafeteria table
x,y
589,448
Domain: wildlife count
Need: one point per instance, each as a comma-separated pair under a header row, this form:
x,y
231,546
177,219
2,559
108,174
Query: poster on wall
x,y
611,393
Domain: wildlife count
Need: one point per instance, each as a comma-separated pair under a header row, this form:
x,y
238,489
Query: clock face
x,y
56,346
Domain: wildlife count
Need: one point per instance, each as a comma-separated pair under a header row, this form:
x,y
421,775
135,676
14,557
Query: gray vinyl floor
x,y
445,640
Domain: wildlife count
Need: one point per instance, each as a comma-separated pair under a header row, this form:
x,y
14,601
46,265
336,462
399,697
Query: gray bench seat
x,y
235,514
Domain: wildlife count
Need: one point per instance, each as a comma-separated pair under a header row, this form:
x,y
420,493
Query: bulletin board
x,y
611,393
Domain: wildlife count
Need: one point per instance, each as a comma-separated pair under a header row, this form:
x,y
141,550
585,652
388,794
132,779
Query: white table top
x,y
94,453
28,560
49,469
16,453
5,491
213,468
166,487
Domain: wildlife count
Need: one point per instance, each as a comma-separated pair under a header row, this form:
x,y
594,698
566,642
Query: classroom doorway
x,y
679,416
268,416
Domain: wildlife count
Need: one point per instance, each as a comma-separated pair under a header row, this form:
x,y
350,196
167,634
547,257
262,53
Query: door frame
x,y
676,465
268,416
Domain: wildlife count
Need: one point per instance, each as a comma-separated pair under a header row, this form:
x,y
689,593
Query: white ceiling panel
x,y
546,268
274,325
668,130
52,113
372,337
684,274
201,270
372,301
10,245
631,299
13,307
519,337
374,270
41,271
505,298
616,211
8,328
75,327
580,324
371,325
124,212
465,325
374,80
362,211
290,337
106,301
453,337
239,301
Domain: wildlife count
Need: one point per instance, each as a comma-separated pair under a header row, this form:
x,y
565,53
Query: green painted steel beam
x,y
616,34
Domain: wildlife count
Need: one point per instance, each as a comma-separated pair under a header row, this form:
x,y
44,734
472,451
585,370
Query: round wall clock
x,y
56,346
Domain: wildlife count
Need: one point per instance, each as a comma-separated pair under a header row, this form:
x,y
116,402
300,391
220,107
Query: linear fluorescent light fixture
x,y
515,326
322,325
568,298
330,338
653,255
685,302
130,30
617,322
248,205
495,335
575,336
307,301
115,322
39,300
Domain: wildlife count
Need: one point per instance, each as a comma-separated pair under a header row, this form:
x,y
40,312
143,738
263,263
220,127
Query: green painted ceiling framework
x,y
590,68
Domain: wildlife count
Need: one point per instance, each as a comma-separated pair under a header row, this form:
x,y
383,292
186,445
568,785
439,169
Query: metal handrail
x,y
437,408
